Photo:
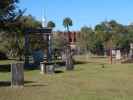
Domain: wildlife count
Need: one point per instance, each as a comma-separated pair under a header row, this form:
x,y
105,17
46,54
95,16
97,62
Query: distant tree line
x,y
100,39
106,35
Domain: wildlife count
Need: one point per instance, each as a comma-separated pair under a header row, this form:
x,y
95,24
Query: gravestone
x,y
50,69
131,51
17,75
130,54
118,54
47,68
113,52
42,67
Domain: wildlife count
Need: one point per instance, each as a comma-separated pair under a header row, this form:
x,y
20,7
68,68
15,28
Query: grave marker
x,y
118,54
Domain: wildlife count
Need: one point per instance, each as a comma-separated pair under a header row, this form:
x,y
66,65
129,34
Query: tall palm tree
x,y
69,59
51,24
67,22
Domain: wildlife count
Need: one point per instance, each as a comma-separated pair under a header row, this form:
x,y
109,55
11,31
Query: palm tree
x,y
67,22
51,24
69,59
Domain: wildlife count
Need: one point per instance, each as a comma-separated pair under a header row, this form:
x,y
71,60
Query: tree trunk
x,y
69,59
86,53
67,28
110,56
17,75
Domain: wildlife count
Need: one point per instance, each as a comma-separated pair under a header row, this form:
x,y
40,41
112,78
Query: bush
x,y
3,56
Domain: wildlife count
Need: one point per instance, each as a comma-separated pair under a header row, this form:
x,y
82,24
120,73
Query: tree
x,y
25,23
85,37
69,59
58,43
7,9
89,42
59,40
67,22
113,35
13,42
51,24
9,14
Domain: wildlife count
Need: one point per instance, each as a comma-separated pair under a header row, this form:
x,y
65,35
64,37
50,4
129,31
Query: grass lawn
x,y
4,62
89,81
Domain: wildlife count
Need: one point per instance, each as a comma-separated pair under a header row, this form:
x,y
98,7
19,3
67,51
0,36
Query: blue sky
x,y
82,12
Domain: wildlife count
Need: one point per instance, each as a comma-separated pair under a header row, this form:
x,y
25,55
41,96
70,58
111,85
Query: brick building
x,y
69,36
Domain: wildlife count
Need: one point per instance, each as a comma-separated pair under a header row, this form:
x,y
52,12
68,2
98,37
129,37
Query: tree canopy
x,y
67,22
9,13
107,34
51,24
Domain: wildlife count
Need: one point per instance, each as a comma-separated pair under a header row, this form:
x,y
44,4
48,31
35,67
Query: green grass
x,y
6,62
88,81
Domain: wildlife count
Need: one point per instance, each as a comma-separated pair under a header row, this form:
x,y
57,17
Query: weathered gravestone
x,y
42,67
118,54
131,51
47,68
17,75
130,54
113,52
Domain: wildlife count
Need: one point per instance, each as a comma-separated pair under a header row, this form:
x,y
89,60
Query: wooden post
x,y
17,75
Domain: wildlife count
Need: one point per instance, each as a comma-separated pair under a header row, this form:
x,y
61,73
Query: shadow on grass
x,y
100,63
8,83
98,57
5,68
80,62
91,62
36,85
58,71
5,83
60,63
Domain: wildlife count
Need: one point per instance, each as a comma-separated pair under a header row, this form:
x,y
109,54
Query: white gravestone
x,y
118,54
131,51
47,68
42,67
113,52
